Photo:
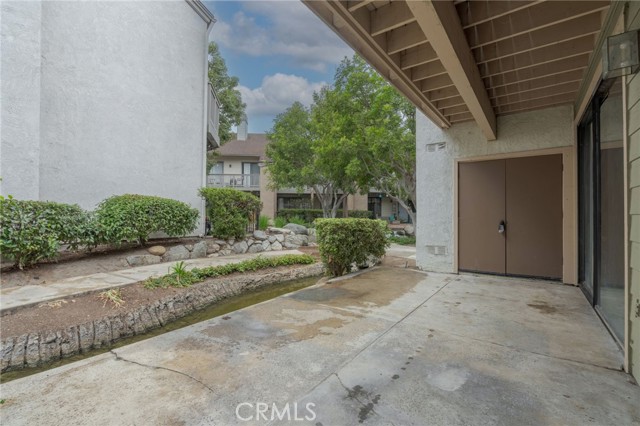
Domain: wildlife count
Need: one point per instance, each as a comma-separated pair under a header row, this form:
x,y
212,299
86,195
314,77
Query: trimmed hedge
x,y
184,278
229,211
309,215
343,242
35,230
133,217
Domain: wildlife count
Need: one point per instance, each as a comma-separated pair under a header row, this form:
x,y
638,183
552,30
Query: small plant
x,y
180,277
279,222
113,296
298,221
263,222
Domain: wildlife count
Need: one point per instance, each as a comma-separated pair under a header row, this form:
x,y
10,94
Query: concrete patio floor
x,y
390,346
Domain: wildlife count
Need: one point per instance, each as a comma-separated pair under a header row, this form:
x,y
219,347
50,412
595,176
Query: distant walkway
x,y
14,297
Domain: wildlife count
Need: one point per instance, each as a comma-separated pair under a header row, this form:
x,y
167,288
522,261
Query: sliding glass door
x,y
601,176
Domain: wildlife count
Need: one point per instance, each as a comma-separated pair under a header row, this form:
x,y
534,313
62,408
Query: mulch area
x,y
64,313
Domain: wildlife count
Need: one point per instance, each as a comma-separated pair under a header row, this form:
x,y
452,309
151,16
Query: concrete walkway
x,y
390,346
14,297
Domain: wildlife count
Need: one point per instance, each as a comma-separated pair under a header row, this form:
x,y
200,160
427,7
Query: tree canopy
x,y
358,134
232,108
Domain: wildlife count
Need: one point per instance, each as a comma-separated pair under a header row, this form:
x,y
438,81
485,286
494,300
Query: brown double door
x,y
510,216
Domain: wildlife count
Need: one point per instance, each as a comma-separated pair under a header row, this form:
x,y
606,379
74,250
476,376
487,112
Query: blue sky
x,y
280,51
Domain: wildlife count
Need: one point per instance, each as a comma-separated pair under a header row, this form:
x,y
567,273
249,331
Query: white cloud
x,y
291,29
277,93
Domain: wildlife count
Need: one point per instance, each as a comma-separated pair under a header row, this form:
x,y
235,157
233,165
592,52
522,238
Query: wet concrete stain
x,y
395,376
358,394
543,307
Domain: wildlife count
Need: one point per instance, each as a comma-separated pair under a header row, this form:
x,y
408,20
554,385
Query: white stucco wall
x,y
121,101
20,24
548,128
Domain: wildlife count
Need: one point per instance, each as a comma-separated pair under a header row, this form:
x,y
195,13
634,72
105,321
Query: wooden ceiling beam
x,y
459,118
389,17
540,83
416,56
538,39
571,87
431,69
536,17
455,110
477,12
404,38
440,23
538,71
450,102
352,6
567,49
565,98
442,94
435,83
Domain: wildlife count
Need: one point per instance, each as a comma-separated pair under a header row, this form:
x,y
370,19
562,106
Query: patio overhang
x,y
474,60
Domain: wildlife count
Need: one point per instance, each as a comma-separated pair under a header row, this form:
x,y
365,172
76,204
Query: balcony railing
x,y
244,181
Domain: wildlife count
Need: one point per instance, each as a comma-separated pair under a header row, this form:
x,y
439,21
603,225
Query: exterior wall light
x,y
620,55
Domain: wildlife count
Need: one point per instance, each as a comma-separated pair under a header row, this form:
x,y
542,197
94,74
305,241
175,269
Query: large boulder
x,y
255,248
199,250
279,231
175,253
280,238
240,247
266,246
295,240
157,250
296,229
260,235
142,260
276,246
272,238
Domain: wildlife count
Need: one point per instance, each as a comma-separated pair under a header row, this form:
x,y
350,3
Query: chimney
x,y
243,129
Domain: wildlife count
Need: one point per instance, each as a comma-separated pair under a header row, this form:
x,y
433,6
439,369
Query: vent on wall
x,y
433,147
437,250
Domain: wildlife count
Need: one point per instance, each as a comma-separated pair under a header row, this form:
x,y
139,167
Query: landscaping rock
x,y
255,248
212,247
409,230
225,252
276,246
6,347
17,353
280,238
272,238
221,243
296,229
188,247
175,253
231,241
157,250
32,354
296,240
260,235
199,250
142,260
279,231
240,247
266,246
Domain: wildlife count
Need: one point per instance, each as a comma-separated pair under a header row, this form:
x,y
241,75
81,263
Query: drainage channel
x,y
214,310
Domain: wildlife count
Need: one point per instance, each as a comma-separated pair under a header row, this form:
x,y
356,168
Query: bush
x,y
229,211
362,214
298,221
181,277
35,230
279,222
307,215
133,217
263,222
343,242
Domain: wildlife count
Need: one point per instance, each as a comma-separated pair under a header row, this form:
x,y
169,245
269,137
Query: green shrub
x,y
181,277
363,214
307,215
229,211
35,230
263,222
343,242
298,221
280,222
133,217
403,240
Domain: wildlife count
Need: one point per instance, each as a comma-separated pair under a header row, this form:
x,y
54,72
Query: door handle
x,y
502,227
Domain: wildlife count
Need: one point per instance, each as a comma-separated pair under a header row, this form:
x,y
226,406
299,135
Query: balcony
x,y
239,181
213,119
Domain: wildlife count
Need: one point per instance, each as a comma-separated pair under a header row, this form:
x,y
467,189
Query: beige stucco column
x,y
267,196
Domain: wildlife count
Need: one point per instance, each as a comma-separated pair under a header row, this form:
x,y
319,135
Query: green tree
x,y
306,151
232,108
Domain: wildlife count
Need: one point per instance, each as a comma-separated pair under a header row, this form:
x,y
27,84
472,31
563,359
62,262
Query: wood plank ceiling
x,y
529,54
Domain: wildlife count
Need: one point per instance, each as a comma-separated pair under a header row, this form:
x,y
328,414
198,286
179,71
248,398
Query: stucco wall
x,y
20,99
121,101
633,129
437,149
